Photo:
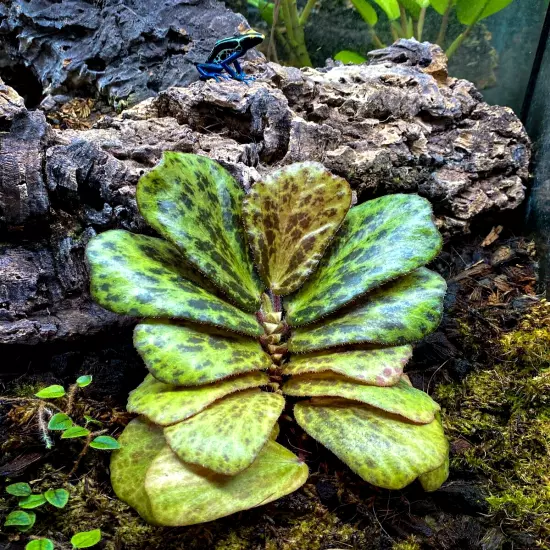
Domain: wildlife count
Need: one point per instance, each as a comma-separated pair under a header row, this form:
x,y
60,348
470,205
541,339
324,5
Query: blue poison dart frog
x,y
226,52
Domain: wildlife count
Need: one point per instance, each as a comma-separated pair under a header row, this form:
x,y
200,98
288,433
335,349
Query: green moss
x,y
322,529
499,419
412,543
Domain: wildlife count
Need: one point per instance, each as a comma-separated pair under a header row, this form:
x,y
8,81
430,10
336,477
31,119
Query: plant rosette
x,y
248,301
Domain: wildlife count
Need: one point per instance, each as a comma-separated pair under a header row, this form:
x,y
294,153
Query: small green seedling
x,y
85,539
57,497
40,544
51,392
19,489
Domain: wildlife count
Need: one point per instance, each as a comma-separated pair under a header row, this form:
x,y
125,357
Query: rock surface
x,y
122,49
397,125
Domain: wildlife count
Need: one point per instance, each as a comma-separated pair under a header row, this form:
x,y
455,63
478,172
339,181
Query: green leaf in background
x,y
75,431
346,56
165,404
290,217
401,399
265,9
367,12
400,312
57,497
413,6
105,442
187,355
51,392
84,380
184,494
40,544
379,241
390,7
140,443
440,6
18,518
195,203
32,501
60,421
147,277
19,489
90,420
228,435
85,539
380,447
378,367
432,481
472,11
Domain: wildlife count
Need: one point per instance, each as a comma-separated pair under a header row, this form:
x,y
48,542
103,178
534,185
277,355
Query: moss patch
x,y
499,419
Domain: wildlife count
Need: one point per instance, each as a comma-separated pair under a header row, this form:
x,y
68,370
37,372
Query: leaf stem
x,y
306,12
84,450
420,25
444,24
451,50
403,15
376,39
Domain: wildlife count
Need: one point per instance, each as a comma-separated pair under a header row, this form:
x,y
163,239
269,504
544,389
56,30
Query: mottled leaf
x,y
85,539
378,367
60,421
400,399
186,494
400,312
379,241
291,217
195,203
165,404
140,443
25,528
432,481
185,355
57,497
19,489
147,277
228,435
382,448
105,443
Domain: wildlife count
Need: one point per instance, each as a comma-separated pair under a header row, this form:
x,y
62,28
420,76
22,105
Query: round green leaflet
x,y
357,295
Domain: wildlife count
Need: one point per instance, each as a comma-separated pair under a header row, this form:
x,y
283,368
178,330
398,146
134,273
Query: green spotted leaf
x,y
195,203
186,494
147,277
382,448
291,217
165,404
401,399
378,367
185,355
432,481
228,435
140,443
402,311
380,240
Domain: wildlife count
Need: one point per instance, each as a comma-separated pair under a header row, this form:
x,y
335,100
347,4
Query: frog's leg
x,y
210,70
241,73
232,59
